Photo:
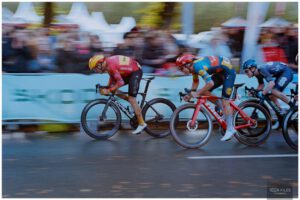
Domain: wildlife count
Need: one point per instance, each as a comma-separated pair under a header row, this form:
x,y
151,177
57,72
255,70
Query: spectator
x,y
292,47
128,47
153,53
66,58
32,44
217,46
17,53
269,49
95,45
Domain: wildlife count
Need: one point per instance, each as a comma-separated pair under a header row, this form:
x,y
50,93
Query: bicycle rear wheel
x,y
157,115
257,134
290,128
100,120
184,133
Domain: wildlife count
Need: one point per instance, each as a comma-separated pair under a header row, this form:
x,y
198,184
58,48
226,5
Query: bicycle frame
x,y
203,101
276,109
123,108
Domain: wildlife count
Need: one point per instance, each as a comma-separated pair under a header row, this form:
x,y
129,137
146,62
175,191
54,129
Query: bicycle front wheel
x,y
100,119
259,132
184,133
290,128
157,115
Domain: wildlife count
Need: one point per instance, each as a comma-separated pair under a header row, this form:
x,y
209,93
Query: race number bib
x,y
123,60
226,62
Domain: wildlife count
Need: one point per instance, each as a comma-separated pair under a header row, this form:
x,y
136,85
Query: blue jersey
x,y
270,70
209,65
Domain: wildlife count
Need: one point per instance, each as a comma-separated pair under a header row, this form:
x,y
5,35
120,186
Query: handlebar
x,y
99,87
186,92
252,91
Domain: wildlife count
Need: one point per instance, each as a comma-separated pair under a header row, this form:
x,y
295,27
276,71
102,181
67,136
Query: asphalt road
x,y
74,165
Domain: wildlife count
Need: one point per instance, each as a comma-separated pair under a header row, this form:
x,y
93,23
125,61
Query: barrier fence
x,y
60,98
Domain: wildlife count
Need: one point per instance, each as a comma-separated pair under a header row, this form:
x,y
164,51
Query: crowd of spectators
x,y
278,44
31,50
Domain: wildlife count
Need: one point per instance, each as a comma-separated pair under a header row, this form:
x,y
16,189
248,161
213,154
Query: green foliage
x,y
207,14
151,15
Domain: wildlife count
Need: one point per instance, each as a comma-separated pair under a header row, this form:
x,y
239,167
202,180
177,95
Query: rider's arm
x,y
206,87
195,82
269,87
118,79
208,82
111,82
260,86
266,74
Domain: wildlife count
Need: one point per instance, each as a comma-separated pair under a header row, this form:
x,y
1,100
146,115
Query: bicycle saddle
x,y
238,85
149,78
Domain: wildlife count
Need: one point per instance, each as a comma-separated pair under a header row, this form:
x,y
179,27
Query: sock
x,y
229,122
219,104
141,121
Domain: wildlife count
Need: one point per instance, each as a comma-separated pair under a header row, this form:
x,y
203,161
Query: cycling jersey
x,y
216,69
281,72
120,67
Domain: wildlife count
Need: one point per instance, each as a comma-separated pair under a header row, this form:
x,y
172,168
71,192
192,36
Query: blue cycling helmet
x,y
249,63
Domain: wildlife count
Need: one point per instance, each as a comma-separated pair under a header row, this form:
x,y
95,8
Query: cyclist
x,y
216,71
282,73
122,70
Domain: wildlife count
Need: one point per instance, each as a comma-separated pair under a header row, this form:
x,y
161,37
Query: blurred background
x,y
39,38
62,36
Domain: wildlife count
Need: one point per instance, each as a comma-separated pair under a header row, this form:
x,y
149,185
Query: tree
x,y
158,15
48,13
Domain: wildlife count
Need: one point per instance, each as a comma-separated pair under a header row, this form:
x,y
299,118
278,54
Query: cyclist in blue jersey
x,y
215,71
277,74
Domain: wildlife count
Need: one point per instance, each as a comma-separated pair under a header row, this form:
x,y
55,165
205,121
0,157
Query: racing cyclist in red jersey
x,y
122,70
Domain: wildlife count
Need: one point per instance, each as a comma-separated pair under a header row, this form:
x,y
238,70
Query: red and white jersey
x,y
119,67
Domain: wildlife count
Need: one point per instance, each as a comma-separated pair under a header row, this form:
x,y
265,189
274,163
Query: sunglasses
x,y
99,68
247,70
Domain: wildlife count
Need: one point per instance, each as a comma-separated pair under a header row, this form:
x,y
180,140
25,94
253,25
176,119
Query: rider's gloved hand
x,y
187,97
104,91
260,95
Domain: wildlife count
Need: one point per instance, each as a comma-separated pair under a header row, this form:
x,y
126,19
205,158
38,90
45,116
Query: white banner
x,y
61,97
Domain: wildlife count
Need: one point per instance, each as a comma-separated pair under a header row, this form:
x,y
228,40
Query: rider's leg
x,y
137,110
134,84
218,80
280,95
280,84
226,93
228,114
122,96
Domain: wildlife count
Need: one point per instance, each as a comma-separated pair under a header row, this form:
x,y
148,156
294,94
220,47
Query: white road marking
x,y
243,156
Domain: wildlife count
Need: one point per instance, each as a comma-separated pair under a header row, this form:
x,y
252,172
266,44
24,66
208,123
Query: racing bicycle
x,y
101,118
191,124
288,121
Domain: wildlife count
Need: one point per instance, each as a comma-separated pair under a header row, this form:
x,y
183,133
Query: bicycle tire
x,y
279,118
175,122
116,122
286,125
159,120
257,139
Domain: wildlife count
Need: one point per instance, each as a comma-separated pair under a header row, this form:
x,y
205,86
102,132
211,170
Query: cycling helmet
x,y
95,61
185,59
249,63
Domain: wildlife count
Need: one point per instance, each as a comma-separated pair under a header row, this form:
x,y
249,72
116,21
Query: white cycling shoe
x,y
228,135
139,129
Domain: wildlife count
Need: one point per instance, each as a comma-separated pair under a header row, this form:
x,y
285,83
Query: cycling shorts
x,y
282,81
133,82
225,78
